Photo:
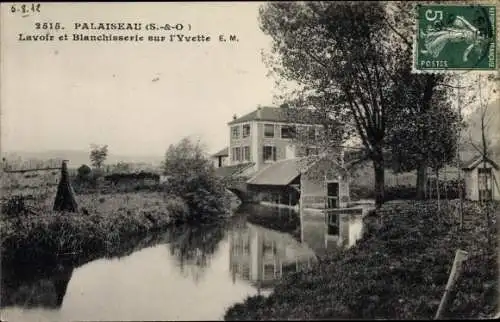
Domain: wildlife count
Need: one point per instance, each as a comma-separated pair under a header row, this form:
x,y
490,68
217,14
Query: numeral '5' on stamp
x,y
455,38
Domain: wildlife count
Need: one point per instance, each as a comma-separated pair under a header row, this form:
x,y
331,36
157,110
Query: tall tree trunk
x,y
378,166
421,180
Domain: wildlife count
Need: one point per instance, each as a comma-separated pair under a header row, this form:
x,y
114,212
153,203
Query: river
x,y
190,274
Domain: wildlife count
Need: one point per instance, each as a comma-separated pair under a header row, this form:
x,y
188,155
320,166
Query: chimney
x,y
235,117
259,112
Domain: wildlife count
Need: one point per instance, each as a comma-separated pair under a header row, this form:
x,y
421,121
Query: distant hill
x,y
77,158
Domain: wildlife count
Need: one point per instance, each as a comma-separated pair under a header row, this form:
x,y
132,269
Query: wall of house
x,y
284,195
215,161
472,184
254,131
313,182
239,142
282,145
285,148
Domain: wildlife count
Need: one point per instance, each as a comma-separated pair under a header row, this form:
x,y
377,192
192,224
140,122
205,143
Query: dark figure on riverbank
x,y
65,197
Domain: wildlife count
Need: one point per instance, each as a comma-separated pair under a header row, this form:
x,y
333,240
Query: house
x,y
481,179
221,158
264,151
265,136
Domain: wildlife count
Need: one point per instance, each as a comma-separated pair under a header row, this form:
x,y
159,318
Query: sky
x,y
138,98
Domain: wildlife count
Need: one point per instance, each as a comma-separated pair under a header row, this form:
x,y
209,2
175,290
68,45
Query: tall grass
x,y
105,222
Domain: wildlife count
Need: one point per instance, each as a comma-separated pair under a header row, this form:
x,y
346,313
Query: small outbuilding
x,y
481,179
312,182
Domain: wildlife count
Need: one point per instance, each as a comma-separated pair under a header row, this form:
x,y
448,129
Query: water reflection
x,y
189,274
262,256
193,247
332,233
45,289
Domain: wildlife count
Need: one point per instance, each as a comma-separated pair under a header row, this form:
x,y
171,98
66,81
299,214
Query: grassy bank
x,y
399,269
103,223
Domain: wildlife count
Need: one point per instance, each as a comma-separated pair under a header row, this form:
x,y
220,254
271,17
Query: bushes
x,y
178,209
194,180
447,190
403,192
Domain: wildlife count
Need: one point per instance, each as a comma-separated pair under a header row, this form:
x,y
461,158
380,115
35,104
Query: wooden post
x,y
456,270
65,197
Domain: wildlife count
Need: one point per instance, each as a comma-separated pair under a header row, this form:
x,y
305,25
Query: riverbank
x,y
104,223
399,269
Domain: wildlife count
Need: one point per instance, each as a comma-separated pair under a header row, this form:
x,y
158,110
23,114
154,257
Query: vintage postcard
x,y
194,161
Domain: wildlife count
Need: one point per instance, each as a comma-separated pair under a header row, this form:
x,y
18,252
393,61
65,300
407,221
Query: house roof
x,y
272,114
232,170
280,173
476,160
222,153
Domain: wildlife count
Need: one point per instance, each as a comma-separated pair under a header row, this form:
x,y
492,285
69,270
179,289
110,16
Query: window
x,y
484,183
333,224
268,272
235,132
269,153
311,133
236,154
269,130
269,248
332,194
287,131
246,153
246,130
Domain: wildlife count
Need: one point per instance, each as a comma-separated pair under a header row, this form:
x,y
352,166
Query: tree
x,y
84,171
423,127
343,54
192,177
98,155
350,62
122,167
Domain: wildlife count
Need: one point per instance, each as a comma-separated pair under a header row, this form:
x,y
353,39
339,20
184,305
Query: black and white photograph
x,y
245,160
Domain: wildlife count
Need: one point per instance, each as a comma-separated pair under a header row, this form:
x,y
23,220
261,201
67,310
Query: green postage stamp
x,y
455,38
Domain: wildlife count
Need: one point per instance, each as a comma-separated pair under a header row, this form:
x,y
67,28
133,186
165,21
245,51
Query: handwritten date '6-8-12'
x,y
25,8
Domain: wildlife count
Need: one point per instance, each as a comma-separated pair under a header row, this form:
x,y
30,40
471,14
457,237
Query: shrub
x,y
84,171
193,179
177,209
